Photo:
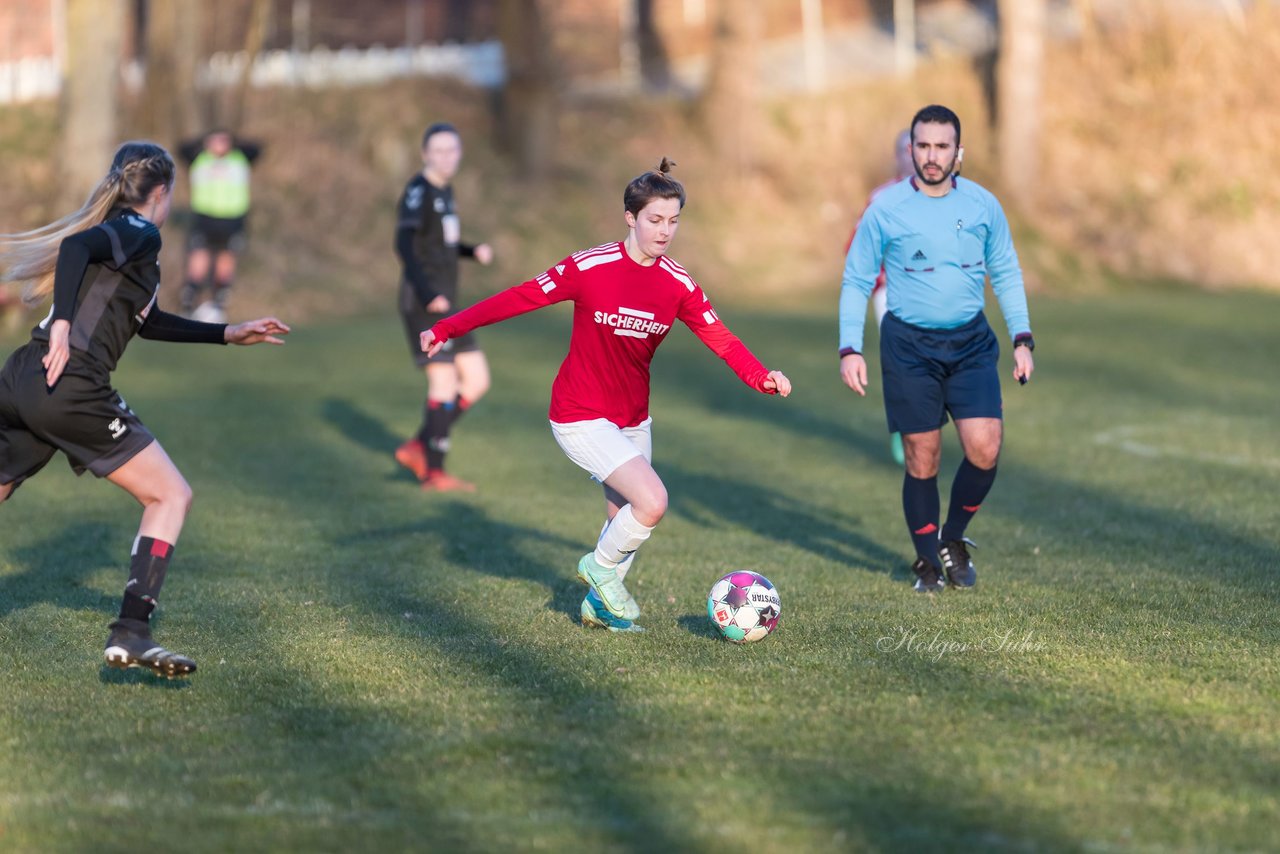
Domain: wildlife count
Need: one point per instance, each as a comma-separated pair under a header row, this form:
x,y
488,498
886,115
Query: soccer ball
x,y
744,606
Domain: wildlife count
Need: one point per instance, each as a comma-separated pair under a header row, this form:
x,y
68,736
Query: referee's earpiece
x,y
960,155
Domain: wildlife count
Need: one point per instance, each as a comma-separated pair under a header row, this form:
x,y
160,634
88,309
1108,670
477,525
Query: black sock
x,y
435,432
190,293
147,568
461,405
967,493
221,290
921,505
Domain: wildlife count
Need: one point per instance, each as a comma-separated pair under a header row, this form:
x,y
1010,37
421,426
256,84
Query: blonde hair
x,y
30,257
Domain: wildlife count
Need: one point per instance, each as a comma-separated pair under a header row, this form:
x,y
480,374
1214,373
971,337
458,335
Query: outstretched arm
x,y
264,330
163,326
555,285
521,299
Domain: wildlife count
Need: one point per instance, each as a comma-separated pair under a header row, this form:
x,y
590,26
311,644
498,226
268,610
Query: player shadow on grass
x,y
364,430
562,712
471,539
711,500
138,676
700,625
54,569
821,407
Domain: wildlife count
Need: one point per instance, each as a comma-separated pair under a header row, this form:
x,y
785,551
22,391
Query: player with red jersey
x,y
626,297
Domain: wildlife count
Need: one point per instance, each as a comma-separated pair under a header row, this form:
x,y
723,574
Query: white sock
x,y
625,566
620,539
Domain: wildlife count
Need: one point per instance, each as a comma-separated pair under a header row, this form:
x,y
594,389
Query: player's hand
x,y
853,370
439,305
427,340
55,361
777,383
1023,364
484,253
260,331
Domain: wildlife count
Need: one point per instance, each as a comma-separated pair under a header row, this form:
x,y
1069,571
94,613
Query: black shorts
x,y
216,234
82,416
928,373
417,320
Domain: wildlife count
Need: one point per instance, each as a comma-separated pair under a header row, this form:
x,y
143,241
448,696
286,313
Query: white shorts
x,y
600,446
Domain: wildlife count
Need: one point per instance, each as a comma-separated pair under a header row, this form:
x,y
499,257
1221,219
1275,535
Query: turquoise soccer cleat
x,y
596,616
608,586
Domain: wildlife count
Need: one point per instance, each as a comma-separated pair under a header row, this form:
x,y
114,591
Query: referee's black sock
x,y
147,568
967,493
921,505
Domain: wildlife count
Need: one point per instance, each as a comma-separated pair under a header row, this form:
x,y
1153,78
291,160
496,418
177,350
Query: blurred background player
x,y
428,241
938,237
100,263
626,295
219,167
903,169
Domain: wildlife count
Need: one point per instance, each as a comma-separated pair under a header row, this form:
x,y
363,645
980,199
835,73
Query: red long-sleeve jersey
x,y
622,311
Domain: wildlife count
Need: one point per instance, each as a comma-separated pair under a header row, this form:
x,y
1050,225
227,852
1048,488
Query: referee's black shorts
x,y
82,416
928,373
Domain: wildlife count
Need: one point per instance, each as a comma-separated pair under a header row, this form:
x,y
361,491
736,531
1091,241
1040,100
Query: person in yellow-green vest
x,y
219,166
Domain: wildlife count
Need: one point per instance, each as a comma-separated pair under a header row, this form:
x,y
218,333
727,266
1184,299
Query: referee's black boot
x,y
956,562
928,577
130,645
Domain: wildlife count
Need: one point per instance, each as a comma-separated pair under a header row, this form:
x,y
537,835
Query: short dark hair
x,y
938,115
654,184
438,127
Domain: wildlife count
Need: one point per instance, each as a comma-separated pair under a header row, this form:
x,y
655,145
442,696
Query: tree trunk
x,y
90,100
730,105
655,67
1020,85
527,108
232,116
170,110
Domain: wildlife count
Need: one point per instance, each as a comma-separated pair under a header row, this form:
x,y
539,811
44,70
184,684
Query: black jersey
x,y
428,240
109,303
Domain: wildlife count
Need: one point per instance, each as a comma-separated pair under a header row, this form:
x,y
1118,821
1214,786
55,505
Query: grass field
x,y
387,670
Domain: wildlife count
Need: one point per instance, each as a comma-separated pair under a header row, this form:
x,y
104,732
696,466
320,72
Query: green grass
x,y
397,671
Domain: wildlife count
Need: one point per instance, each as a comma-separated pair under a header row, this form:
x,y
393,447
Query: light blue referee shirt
x,y
937,253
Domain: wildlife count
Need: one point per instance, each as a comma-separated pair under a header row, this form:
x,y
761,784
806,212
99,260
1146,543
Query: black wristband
x,y
848,351
1024,339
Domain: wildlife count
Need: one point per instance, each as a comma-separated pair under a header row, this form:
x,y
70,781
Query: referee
x,y
939,237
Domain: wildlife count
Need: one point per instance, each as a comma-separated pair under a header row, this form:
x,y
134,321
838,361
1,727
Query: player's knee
x,y
985,457
6,489
475,389
651,507
178,495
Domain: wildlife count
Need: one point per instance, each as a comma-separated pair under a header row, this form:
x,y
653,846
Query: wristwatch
x,y
1024,339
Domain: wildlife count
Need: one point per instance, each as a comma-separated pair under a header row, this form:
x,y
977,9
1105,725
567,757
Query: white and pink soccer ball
x,y
744,606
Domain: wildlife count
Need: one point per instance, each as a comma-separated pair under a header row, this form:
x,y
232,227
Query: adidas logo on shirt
x,y
919,256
